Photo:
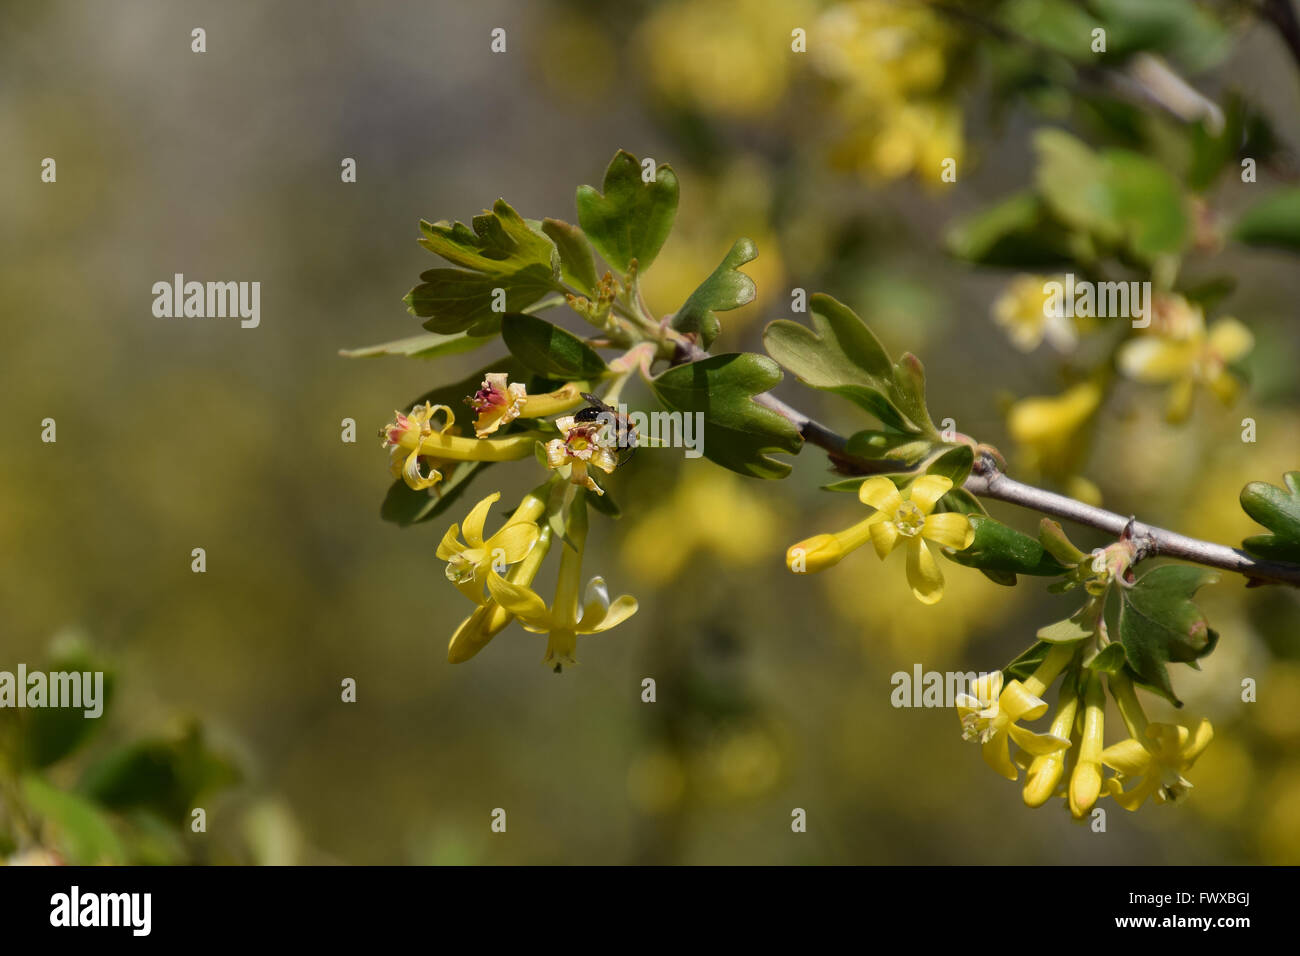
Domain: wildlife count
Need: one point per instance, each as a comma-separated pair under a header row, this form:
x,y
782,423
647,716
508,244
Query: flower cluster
x,y
495,571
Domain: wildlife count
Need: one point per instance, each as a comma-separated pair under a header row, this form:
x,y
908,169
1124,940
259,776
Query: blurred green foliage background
x,y
773,691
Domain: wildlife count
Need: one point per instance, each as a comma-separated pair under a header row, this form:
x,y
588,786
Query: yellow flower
x,y
1085,782
404,435
1158,762
497,402
899,516
1045,771
1023,313
1178,351
563,621
414,443
584,445
490,618
1048,430
468,563
991,715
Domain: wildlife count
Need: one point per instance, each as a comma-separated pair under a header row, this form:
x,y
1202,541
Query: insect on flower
x,y
617,425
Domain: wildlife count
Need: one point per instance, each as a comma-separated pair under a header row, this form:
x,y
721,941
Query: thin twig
x,y
987,480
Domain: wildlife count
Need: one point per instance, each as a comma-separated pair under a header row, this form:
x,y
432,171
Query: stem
x,y
988,481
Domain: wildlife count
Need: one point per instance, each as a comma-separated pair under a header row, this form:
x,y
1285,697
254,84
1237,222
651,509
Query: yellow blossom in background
x,y
710,215
1049,434
1179,351
730,59
901,517
971,604
1279,832
712,515
1021,311
888,63
1157,763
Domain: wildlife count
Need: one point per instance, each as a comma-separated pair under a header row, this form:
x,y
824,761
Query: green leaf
x,y
999,548
454,300
430,345
1120,197
501,243
53,733
1278,510
577,265
907,450
1061,26
963,502
1159,623
840,354
1053,539
725,289
1273,221
605,504
1028,661
632,218
1017,232
81,830
954,464
1080,625
549,350
738,433
1109,660
1180,29
1148,204
163,776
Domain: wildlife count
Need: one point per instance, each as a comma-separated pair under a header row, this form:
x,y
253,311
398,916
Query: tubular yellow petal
x,y
1046,770
455,448
927,490
949,529
814,554
1085,782
923,573
563,399
880,493
476,630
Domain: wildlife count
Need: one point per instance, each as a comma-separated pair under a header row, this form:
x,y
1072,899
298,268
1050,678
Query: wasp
x,y
616,424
